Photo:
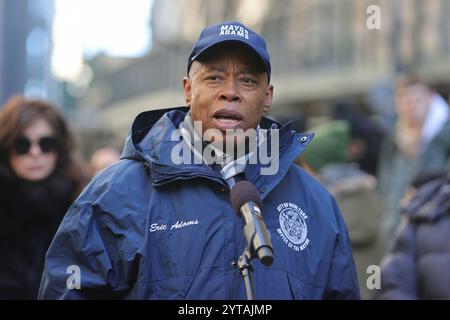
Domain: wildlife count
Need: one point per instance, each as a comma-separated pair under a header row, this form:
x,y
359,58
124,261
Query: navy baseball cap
x,y
230,31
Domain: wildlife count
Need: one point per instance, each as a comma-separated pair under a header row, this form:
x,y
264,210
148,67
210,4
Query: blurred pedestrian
x,y
102,158
366,135
418,267
332,158
419,142
39,179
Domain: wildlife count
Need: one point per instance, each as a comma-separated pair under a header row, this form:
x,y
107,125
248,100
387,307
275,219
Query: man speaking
x,y
159,224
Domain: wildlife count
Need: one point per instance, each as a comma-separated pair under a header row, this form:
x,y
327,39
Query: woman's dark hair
x,y
18,113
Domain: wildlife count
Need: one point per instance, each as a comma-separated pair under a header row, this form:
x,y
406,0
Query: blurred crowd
x,y
390,180
378,172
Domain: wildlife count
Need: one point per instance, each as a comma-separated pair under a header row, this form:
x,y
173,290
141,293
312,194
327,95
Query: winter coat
x,y
418,268
396,172
147,228
30,214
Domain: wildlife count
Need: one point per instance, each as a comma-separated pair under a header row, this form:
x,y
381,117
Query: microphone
x,y
246,202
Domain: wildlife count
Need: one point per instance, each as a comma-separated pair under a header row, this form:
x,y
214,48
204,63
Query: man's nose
x,y
230,91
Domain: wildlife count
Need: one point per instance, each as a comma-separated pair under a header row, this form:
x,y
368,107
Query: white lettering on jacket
x,y
177,225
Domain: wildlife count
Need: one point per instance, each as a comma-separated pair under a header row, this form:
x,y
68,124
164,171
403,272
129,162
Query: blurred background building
x,y
25,48
321,50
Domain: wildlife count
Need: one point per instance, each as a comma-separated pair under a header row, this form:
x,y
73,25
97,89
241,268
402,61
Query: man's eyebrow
x,y
248,69
216,68
222,68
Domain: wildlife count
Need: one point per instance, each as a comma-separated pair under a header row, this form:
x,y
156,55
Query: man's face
x,y
412,103
228,91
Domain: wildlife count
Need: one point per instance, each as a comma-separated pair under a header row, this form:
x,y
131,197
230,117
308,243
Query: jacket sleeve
x,y
342,282
398,276
87,259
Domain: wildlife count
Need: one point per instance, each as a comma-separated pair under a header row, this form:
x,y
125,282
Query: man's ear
x,y
187,90
269,97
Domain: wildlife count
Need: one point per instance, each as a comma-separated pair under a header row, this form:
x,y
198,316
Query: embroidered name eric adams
x,y
178,225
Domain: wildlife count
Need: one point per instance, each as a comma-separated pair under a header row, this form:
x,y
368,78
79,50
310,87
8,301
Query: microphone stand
x,y
253,233
246,270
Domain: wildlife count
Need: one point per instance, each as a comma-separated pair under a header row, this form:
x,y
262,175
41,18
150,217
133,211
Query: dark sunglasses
x,y
46,144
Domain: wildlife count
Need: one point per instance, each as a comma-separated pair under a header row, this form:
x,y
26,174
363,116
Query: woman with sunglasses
x,y
40,176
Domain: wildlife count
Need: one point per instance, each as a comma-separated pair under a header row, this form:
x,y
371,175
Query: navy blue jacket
x,y
418,267
145,228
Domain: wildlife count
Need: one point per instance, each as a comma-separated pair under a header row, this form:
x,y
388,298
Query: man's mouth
x,y
228,120
228,117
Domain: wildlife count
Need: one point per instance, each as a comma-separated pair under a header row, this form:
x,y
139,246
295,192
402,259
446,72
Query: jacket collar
x,y
431,202
150,140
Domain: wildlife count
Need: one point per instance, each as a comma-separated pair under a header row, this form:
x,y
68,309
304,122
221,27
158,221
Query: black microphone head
x,y
242,192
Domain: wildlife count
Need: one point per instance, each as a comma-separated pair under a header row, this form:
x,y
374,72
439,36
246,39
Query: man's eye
x,y
248,81
213,78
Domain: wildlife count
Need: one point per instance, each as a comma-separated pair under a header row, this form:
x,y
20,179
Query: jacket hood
x,y
146,126
150,140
